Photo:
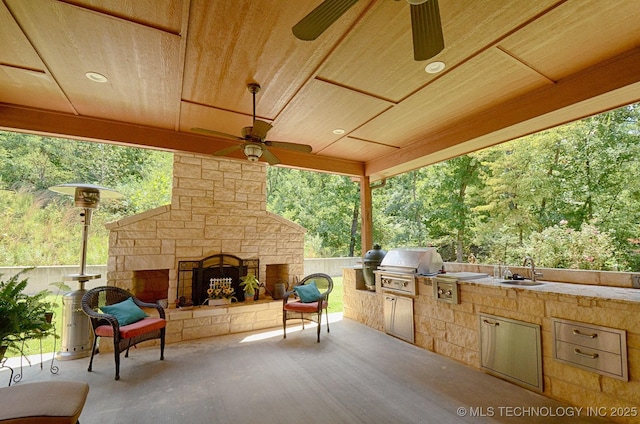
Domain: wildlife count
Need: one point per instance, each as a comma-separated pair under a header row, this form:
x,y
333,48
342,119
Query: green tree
x,y
324,204
451,197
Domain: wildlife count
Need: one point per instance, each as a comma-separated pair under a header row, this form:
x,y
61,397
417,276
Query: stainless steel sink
x,y
520,282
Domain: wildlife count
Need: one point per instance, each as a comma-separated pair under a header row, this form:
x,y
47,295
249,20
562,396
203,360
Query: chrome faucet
x,y
534,274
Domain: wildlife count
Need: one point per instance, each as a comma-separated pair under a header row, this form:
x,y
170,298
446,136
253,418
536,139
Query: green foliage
x,y
249,284
494,205
326,205
40,227
560,246
579,173
22,317
336,296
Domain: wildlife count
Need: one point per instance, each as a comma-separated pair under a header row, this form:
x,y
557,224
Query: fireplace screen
x,y
195,277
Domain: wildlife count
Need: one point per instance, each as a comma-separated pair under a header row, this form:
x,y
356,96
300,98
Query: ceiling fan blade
x,y
227,150
270,157
260,129
302,148
219,134
321,18
428,40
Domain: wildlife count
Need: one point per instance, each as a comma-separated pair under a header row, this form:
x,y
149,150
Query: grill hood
x,y
419,260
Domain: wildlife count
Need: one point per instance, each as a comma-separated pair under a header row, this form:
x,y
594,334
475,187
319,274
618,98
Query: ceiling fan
x,y
426,27
253,140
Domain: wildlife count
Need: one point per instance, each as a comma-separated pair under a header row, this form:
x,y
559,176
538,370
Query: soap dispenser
x,y
507,274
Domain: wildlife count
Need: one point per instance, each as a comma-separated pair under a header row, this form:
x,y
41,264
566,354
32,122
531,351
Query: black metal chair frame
x,y
287,315
93,299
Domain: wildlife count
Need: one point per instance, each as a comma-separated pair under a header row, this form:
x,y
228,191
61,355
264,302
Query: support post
x,y
366,230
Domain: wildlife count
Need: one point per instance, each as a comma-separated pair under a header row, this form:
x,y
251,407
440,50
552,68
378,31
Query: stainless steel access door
x,y
511,349
398,316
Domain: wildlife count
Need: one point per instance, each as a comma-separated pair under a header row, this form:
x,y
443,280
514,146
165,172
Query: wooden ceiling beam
x,y
605,86
55,124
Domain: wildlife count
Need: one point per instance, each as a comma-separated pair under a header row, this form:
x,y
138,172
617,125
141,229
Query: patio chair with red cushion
x,y
116,313
307,300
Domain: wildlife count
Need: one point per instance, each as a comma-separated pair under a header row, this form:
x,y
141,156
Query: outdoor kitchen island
x,y
453,329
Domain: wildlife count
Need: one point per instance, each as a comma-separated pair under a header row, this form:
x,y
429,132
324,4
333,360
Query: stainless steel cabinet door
x,y
511,349
398,316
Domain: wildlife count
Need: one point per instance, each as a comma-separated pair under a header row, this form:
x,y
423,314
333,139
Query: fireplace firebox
x,y
194,276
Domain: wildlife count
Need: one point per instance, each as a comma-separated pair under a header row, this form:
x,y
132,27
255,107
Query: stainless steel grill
x,y
400,268
397,276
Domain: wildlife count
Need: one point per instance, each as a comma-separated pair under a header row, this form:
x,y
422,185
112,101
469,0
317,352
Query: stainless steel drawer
x,y
596,360
591,347
592,336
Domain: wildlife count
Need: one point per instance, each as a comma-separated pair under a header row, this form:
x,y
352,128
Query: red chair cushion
x,y
304,307
126,332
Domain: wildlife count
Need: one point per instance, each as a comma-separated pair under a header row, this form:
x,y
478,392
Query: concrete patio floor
x,y
354,375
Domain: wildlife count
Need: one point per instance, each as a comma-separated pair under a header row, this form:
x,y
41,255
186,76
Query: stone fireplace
x,y
217,210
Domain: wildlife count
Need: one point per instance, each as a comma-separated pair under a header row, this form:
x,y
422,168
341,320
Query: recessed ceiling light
x,y
434,67
96,77
338,131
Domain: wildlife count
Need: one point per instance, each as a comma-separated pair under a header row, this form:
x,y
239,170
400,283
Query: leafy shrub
x,y
561,246
22,317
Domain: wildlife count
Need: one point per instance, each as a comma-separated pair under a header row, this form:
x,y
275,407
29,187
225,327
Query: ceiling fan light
x,y
416,1
253,152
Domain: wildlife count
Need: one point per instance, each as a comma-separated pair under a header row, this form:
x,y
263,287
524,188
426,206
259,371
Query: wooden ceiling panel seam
x,y
16,49
481,50
593,82
399,91
525,64
355,90
121,16
23,68
314,74
293,89
348,135
237,112
79,102
186,8
491,78
46,69
504,135
375,142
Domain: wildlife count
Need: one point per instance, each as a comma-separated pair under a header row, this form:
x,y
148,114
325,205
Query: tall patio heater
x,y
77,336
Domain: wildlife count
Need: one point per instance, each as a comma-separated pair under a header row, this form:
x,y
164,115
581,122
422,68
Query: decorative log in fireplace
x,y
194,276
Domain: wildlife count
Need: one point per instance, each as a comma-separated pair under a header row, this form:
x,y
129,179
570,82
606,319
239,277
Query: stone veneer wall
x,y
218,206
453,331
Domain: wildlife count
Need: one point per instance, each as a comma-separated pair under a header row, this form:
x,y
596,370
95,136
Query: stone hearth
x,y
218,206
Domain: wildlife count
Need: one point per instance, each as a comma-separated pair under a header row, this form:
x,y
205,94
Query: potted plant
x,y
250,285
22,317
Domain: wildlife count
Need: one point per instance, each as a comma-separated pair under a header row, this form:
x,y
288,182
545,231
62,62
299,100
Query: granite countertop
x,y
571,289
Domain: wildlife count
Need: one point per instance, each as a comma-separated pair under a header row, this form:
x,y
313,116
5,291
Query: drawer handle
x,y
390,298
495,324
588,355
591,336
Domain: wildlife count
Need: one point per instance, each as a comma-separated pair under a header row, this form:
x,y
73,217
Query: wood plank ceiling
x,y
512,68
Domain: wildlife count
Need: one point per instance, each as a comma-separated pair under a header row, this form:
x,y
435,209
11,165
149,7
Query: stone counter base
x,y
453,331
